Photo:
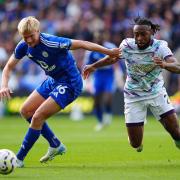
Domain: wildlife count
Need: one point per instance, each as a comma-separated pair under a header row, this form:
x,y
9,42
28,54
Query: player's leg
x,y
60,97
107,97
135,116
46,109
30,106
171,124
107,116
98,95
27,111
98,111
164,111
135,135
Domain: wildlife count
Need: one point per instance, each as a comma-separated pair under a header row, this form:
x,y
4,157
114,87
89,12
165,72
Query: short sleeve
x,y
123,44
164,51
64,43
20,50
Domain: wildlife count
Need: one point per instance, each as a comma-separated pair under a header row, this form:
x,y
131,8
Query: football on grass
x,y
7,161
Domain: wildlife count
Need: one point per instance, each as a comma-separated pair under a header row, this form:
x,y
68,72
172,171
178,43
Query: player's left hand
x,y
159,62
5,94
88,69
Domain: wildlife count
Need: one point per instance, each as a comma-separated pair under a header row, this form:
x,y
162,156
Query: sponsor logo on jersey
x,y
45,66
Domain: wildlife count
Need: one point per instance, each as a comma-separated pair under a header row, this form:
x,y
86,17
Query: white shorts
x,y
136,112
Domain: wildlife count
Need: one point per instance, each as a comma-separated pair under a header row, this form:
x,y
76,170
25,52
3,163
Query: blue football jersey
x,y
53,56
105,71
103,77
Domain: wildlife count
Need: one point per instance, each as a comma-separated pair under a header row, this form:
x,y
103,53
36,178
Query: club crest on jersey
x,y
45,54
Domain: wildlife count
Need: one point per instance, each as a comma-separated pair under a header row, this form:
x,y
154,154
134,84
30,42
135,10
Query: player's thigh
x,y
31,104
48,108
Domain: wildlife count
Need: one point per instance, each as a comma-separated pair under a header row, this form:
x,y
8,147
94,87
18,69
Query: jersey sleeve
x,y
164,50
123,44
64,43
20,50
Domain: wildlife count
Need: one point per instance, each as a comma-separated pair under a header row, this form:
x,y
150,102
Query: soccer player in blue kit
x,y
145,57
62,86
103,82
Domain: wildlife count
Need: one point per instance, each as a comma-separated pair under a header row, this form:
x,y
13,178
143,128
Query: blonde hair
x,y
28,24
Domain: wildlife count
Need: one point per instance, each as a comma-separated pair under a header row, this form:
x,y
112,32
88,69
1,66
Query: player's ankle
x,y
140,148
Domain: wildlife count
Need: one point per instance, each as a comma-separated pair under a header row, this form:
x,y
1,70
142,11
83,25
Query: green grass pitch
x,y
94,155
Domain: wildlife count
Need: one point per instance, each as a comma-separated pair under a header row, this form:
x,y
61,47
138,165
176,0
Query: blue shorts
x,y
105,84
62,93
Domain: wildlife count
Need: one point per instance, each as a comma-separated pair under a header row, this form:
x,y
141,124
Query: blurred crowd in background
x,y
80,19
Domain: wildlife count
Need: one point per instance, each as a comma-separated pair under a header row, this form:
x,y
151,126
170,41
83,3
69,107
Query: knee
x,y
24,111
37,121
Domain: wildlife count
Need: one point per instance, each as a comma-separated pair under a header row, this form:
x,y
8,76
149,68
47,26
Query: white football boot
x,y
52,152
19,163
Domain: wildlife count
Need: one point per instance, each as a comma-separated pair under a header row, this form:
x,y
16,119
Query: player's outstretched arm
x,y
79,44
5,92
170,64
88,69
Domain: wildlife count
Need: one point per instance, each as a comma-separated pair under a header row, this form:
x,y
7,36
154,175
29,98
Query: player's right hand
x,y
115,53
88,69
5,94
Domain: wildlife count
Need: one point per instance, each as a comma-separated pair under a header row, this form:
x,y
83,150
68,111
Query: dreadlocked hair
x,y
145,21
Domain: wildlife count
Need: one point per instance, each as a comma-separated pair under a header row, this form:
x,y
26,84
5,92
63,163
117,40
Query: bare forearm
x,y
78,44
5,77
105,62
95,47
172,67
7,71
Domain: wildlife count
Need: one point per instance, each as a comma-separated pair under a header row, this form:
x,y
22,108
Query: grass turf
x,y
94,155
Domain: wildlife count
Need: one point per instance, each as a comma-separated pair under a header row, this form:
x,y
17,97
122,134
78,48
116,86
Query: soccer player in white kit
x,y
145,57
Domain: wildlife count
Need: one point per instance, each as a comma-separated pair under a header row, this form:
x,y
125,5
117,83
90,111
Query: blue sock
x,y
31,137
99,114
48,135
108,109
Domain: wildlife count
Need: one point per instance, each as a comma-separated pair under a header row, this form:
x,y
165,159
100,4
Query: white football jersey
x,y
144,78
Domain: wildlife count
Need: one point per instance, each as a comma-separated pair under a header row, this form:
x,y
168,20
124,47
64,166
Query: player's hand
x,y
5,94
159,62
115,53
87,70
